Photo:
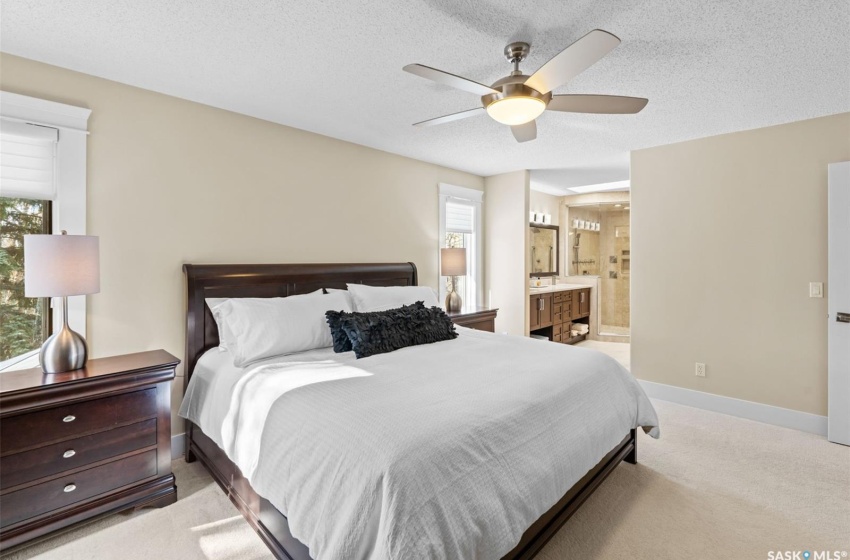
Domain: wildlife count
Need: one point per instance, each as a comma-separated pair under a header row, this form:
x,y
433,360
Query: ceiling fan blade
x,y
452,117
573,60
603,104
525,132
447,79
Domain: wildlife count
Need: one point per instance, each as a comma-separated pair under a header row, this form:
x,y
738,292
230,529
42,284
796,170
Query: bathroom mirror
x,y
544,250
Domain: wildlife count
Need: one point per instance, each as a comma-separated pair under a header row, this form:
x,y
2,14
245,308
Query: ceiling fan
x,y
517,99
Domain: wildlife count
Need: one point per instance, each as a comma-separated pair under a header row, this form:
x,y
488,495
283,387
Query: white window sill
x,y
24,361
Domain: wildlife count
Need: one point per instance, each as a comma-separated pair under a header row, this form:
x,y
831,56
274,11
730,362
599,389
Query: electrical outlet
x,y
700,371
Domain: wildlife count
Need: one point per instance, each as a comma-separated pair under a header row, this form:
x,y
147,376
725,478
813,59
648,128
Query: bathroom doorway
x,y
598,243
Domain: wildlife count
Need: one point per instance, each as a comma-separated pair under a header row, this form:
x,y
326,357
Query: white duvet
x,y
447,450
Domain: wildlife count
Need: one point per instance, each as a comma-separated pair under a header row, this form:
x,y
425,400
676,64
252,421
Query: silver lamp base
x,y
65,350
453,301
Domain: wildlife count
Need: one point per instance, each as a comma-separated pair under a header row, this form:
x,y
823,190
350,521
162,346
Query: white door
x,y
838,294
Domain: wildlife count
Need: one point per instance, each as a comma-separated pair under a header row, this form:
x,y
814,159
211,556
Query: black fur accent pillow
x,y
384,331
341,341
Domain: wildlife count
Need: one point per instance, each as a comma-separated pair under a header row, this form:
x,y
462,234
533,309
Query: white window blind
x,y
460,218
27,160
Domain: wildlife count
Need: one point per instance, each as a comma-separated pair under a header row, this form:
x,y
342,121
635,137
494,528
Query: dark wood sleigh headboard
x,y
270,280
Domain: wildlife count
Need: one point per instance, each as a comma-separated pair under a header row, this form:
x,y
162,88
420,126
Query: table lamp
x,y
61,266
453,263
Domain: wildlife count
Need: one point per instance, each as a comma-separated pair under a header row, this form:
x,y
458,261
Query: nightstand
x,y
478,318
84,443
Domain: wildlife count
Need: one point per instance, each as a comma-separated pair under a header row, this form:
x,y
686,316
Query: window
x,y
460,227
42,190
24,322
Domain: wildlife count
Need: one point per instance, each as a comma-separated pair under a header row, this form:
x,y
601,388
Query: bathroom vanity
x,y
553,309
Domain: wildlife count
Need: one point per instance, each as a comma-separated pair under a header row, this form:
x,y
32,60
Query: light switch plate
x,y
816,289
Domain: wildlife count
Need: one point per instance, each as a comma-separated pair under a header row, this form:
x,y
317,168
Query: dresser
x,y
478,318
84,443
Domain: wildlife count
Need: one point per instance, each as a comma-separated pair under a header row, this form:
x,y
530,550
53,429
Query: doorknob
x,y
842,317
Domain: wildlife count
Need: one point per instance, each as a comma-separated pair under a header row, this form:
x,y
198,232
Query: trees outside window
x,y
24,322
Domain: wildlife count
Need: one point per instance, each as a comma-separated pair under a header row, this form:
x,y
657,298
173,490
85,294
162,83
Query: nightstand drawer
x,y
26,431
482,325
61,492
59,457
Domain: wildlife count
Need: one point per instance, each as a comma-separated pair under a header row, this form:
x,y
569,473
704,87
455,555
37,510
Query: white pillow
x,y
256,328
341,291
225,337
381,298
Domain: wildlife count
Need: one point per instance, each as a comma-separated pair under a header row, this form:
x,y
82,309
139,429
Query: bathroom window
x,y
460,227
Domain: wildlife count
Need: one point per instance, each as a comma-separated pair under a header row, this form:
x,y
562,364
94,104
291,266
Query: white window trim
x,y
475,197
69,206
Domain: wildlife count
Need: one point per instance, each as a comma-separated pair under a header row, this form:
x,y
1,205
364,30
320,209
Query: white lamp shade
x,y
61,265
453,262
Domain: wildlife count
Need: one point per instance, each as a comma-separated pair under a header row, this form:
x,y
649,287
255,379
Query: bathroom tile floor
x,y
620,351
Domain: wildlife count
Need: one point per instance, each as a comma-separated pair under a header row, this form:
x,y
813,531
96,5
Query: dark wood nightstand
x,y
84,443
478,318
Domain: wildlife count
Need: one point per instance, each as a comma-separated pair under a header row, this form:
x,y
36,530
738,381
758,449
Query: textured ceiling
x,y
334,67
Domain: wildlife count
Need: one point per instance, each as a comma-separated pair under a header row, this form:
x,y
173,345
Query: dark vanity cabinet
x,y
551,313
580,303
540,311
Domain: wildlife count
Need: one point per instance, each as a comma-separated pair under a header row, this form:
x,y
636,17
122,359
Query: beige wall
x,y
727,232
171,182
545,203
506,208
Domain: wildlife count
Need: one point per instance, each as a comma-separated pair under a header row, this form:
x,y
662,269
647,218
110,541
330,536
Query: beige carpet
x,y
714,486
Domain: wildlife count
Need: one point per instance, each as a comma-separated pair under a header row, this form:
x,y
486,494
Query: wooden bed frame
x,y
281,280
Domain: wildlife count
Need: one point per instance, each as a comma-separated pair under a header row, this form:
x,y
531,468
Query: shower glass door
x,y
599,244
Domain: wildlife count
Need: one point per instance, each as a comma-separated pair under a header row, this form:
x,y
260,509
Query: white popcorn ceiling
x,y
334,67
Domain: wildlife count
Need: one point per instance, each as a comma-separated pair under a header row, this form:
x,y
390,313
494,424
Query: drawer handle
x,y
69,418
70,487
68,454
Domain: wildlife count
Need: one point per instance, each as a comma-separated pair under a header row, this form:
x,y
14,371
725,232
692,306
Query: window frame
x,y
475,261
68,207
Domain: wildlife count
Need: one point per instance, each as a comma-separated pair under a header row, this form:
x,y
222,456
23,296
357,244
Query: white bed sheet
x,y
448,450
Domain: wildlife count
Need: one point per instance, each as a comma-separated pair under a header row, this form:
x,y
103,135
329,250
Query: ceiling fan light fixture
x,y
516,110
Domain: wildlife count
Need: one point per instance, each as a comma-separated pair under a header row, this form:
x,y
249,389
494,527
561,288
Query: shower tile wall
x,y
588,242
610,251
615,253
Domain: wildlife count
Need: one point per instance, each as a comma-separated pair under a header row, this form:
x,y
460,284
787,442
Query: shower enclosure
x,y
599,244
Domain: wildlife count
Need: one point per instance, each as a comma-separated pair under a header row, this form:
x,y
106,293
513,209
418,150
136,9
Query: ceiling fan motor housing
x,y
513,86
516,52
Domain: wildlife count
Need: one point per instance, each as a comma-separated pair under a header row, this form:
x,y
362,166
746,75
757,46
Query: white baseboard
x,y
178,446
785,417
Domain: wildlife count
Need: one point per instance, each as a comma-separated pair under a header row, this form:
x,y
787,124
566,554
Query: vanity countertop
x,y
557,288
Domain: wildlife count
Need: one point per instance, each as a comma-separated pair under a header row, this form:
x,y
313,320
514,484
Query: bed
x,y
446,469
